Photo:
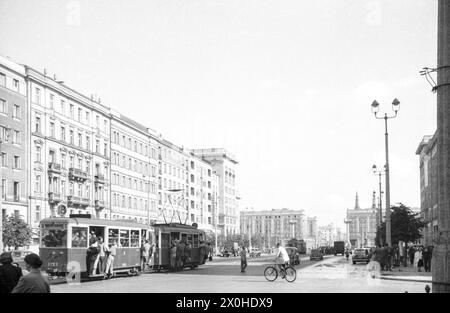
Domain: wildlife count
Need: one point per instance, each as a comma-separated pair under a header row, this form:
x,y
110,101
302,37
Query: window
x,y
16,111
79,114
4,159
80,140
97,146
37,212
37,187
97,121
38,154
16,191
71,111
63,133
113,236
17,138
63,107
124,238
87,118
71,137
3,106
17,162
37,125
135,238
63,160
2,79
105,125
37,95
16,85
88,143
71,162
79,237
52,129
4,188
105,150
52,101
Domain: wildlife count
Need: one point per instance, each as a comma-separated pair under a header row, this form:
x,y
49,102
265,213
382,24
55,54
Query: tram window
x,y
79,237
195,244
143,234
124,238
135,238
113,236
52,238
165,237
184,237
189,239
174,235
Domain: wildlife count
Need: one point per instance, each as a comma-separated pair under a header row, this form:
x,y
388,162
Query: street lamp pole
x,y
395,108
380,209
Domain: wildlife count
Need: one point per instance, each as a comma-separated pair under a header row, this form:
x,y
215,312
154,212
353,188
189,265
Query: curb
x,y
405,279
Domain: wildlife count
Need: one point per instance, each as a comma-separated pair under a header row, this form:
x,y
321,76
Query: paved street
x,y
333,274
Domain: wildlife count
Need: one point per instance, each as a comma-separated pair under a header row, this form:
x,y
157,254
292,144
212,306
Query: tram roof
x,y
95,221
177,225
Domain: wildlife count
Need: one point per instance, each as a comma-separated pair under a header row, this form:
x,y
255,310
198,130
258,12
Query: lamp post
x,y
380,206
395,108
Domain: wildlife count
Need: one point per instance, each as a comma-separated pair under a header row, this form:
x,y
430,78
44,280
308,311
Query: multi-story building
x,y
428,187
70,150
14,142
273,226
311,233
362,226
134,177
326,235
224,164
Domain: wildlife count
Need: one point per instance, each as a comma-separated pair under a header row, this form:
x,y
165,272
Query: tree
x,y
16,233
405,225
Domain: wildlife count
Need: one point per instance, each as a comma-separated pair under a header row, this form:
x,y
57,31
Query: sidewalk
x,y
407,274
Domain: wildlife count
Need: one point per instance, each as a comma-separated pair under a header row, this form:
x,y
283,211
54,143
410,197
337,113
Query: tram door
x,y
98,231
165,248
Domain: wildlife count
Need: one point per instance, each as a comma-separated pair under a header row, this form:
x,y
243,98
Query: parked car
x,y
361,255
294,255
316,254
255,253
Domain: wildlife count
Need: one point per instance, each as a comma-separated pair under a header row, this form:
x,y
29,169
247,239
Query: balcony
x,y
100,205
99,179
78,202
54,198
53,168
77,174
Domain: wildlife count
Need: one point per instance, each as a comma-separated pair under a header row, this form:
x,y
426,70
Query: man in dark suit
x,y
34,282
9,273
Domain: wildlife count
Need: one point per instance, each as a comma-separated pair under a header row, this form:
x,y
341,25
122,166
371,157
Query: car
x,y
255,253
294,255
316,254
361,255
225,254
19,256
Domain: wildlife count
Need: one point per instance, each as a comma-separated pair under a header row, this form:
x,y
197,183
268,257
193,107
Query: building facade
x,y
274,226
134,162
14,142
427,152
362,226
70,151
224,165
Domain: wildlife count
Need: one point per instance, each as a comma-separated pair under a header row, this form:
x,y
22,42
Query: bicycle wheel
x,y
291,274
270,273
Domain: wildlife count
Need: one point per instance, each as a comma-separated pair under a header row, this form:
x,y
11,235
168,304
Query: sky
x,y
284,85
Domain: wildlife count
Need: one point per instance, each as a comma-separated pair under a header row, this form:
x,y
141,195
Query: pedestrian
x,y
9,273
145,254
411,253
420,259
94,256
152,255
173,255
425,258
111,254
417,257
382,257
101,256
182,259
389,257
33,282
243,260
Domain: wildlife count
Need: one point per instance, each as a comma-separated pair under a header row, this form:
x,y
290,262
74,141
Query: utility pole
x,y
441,252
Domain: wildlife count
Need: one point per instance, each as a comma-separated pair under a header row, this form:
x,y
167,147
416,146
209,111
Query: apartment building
x,y
14,142
70,150
134,162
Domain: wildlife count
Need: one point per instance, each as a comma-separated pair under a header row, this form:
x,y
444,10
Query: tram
x,y
166,234
64,243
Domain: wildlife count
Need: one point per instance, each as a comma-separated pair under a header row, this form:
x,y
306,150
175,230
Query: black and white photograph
x,y
224,153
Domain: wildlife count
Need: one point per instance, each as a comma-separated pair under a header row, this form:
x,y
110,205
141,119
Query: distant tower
x,y
374,200
357,202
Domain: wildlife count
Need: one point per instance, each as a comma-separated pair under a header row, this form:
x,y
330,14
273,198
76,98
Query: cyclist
x,y
284,255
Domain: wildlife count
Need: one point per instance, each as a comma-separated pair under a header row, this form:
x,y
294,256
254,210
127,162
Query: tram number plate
x,y
52,264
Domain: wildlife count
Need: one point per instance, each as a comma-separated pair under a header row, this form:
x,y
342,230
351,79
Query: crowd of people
x,y
100,256
180,253
389,257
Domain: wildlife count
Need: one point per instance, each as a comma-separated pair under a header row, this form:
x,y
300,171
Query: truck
x,y
339,247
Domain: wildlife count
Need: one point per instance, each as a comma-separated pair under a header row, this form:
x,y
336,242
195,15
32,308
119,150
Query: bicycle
x,y
271,273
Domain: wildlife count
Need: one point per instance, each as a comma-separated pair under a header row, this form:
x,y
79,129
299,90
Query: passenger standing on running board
x,y
284,255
